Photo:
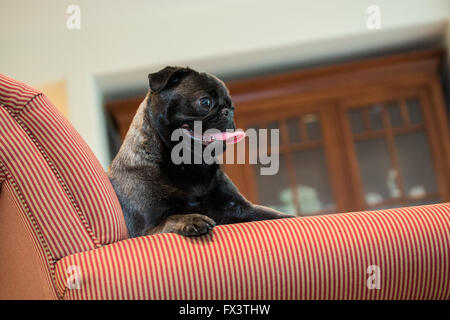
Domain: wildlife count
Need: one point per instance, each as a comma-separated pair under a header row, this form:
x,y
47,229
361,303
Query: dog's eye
x,y
205,103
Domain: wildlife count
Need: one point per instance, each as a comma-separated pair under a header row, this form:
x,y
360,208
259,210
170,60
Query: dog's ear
x,y
165,77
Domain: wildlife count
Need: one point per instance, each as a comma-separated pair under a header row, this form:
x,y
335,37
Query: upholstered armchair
x,y
63,236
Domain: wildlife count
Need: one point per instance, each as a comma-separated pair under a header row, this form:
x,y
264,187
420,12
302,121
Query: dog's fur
x,y
158,196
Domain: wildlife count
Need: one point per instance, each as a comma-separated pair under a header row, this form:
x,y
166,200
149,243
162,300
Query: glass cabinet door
x,y
302,184
391,145
363,153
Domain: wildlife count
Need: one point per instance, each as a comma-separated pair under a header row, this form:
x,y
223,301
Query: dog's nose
x,y
226,112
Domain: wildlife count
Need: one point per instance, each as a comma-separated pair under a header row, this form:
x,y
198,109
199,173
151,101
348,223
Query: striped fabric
x,y
39,191
58,180
391,254
2,176
52,181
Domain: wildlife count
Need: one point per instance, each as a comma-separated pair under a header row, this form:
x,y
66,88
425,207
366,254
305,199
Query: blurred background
x,y
358,89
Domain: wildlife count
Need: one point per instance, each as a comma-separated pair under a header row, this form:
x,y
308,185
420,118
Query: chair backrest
x,y
58,184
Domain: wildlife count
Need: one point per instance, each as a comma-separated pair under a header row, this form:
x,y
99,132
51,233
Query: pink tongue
x,y
229,137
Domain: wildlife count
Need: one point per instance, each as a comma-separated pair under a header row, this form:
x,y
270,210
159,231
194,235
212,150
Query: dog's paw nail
x,y
197,225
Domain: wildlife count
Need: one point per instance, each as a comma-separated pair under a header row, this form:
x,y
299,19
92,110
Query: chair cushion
x,y
58,180
391,254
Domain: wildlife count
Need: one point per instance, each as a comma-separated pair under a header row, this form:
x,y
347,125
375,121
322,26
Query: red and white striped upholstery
x,y
55,193
60,179
323,257
59,187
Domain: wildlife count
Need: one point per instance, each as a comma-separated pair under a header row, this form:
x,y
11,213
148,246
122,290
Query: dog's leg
x,y
255,212
231,207
184,224
246,212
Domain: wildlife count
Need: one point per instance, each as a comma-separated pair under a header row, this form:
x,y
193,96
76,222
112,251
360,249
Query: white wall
x,y
121,41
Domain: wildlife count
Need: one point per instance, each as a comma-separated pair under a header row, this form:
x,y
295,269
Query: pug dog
x,y
159,196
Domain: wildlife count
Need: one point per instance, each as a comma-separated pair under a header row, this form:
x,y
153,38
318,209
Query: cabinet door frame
x,y
340,154
379,96
243,176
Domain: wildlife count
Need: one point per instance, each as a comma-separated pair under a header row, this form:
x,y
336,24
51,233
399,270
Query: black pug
x,y
158,196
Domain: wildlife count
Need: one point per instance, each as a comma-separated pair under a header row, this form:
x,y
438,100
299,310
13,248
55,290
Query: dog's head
x,y
181,96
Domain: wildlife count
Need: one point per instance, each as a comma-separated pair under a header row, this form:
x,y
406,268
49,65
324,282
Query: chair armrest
x,y
391,254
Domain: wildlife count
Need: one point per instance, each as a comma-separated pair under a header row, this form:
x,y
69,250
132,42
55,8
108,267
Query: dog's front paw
x,y
194,225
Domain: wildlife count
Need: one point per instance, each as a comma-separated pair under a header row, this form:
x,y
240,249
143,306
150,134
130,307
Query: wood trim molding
x,y
345,75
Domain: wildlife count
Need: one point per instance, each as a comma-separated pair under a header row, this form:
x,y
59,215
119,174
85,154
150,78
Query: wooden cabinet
x,y
357,136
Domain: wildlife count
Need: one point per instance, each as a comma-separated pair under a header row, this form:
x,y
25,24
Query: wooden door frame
x,y
242,175
434,136
385,77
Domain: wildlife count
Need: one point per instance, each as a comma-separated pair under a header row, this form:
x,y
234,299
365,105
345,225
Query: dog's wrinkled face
x,y
180,96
